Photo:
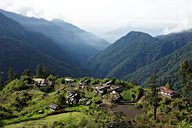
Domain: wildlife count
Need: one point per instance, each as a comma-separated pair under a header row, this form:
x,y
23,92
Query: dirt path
x,y
128,109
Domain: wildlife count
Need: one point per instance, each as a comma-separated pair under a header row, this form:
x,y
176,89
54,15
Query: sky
x,y
102,16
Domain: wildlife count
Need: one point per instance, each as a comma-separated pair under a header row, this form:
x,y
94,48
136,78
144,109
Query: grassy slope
x,y
49,120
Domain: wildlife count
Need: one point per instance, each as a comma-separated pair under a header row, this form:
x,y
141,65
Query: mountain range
x,y
76,42
22,49
69,50
138,55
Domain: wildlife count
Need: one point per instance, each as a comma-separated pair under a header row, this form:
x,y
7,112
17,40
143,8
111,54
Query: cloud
x,y
106,15
30,11
183,26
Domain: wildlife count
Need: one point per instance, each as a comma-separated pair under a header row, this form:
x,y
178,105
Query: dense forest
x,y
138,55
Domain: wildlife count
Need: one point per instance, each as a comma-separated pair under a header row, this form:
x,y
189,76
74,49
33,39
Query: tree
x,y
11,74
27,72
1,80
186,73
61,100
39,71
42,72
51,78
45,72
154,96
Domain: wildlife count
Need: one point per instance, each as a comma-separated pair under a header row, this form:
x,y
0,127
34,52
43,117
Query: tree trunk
x,y
155,112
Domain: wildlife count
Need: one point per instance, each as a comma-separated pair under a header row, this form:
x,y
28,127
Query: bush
x,y
185,124
133,94
62,80
139,105
140,117
166,100
5,113
165,109
52,78
21,101
18,85
61,100
127,95
47,88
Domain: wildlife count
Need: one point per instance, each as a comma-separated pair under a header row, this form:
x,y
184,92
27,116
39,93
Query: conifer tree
x,y
11,74
39,71
154,96
27,72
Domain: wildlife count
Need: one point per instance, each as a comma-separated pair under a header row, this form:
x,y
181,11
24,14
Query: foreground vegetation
x,y
89,102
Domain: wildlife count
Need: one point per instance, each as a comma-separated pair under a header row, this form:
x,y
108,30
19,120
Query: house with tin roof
x,y
166,92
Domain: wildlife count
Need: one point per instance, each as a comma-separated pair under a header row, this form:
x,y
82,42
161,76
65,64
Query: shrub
x,y
127,95
165,109
133,94
52,78
166,100
5,113
185,124
140,117
61,100
62,80
18,85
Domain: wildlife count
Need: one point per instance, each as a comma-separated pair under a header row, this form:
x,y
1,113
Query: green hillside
x,y
77,103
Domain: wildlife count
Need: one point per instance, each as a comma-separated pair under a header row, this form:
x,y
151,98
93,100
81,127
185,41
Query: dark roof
x,y
72,92
110,82
103,87
86,81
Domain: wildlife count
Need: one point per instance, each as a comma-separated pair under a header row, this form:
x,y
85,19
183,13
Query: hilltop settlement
x,y
90,102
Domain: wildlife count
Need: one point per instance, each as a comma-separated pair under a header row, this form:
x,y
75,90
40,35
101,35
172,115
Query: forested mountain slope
x,y
139,50
21,49
70,41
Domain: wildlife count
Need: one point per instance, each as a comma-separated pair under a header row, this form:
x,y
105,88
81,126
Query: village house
x,y
108,88
42,82
83,84
69,80
116,88
115,96
55,107
102,89
166,92
86,82
73,97
111,82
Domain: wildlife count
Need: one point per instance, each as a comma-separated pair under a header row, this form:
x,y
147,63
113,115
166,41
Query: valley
x,y
54,74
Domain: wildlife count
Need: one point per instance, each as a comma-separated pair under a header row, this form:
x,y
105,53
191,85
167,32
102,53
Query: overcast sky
x,y
106,15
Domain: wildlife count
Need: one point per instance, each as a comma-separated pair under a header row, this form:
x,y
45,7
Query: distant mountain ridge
x,y
69,40
21,49
91,39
